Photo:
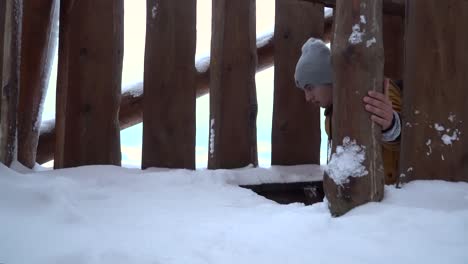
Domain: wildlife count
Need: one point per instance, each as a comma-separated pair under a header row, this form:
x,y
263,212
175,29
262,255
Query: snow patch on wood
x,y
363,20
356,36
370,42
212,137
448,140
154,11
428,144
347,162
452,117
438,127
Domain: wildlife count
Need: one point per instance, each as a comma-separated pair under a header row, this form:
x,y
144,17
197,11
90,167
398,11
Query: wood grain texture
x,y
233,101
296,123
436,77
169,85
358,69
89,83
39,33
10,41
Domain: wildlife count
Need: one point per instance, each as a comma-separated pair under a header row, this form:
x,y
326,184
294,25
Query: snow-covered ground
x,y
105,214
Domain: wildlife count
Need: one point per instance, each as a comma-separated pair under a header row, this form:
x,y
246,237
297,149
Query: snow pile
x,y
347,162
106,214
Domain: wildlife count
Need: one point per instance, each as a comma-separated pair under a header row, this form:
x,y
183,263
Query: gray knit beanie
x,y
314,66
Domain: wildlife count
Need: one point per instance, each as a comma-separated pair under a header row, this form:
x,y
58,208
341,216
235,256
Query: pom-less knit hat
x,y
314,66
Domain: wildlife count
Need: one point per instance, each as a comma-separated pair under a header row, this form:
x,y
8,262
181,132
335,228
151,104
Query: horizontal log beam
x,y
390,7
131,103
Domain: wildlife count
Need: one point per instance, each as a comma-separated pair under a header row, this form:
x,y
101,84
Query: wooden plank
x,y
39,33
393,37
169,85
357,56
89,80
10,34
296,123
436,77
233,101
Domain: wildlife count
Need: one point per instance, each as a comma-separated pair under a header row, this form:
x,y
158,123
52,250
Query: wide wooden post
x,y
10,35
296,124
169,84
355,172
39,32
435,110
233,101
89,82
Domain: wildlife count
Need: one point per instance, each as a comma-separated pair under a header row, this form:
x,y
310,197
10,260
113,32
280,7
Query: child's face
x,y
320,95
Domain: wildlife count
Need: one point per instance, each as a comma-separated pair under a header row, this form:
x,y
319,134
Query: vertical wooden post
x,y
357,57
393,38
296,124
10,35
435,110
169,85
38,45
233,101
89,82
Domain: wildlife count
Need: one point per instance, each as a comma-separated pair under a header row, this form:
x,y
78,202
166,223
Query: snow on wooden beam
x,y
435,111
233,100
10,35
296,123
355,172
89,80
39,33
169,85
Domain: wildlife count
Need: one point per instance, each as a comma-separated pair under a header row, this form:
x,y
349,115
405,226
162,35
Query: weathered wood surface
x,y
10,35
296,123
89,83
393,38
131,106
169,85
436,77
38,43
358,65
233,101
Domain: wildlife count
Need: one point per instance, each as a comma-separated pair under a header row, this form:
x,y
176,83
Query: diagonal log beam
x,y
132,100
